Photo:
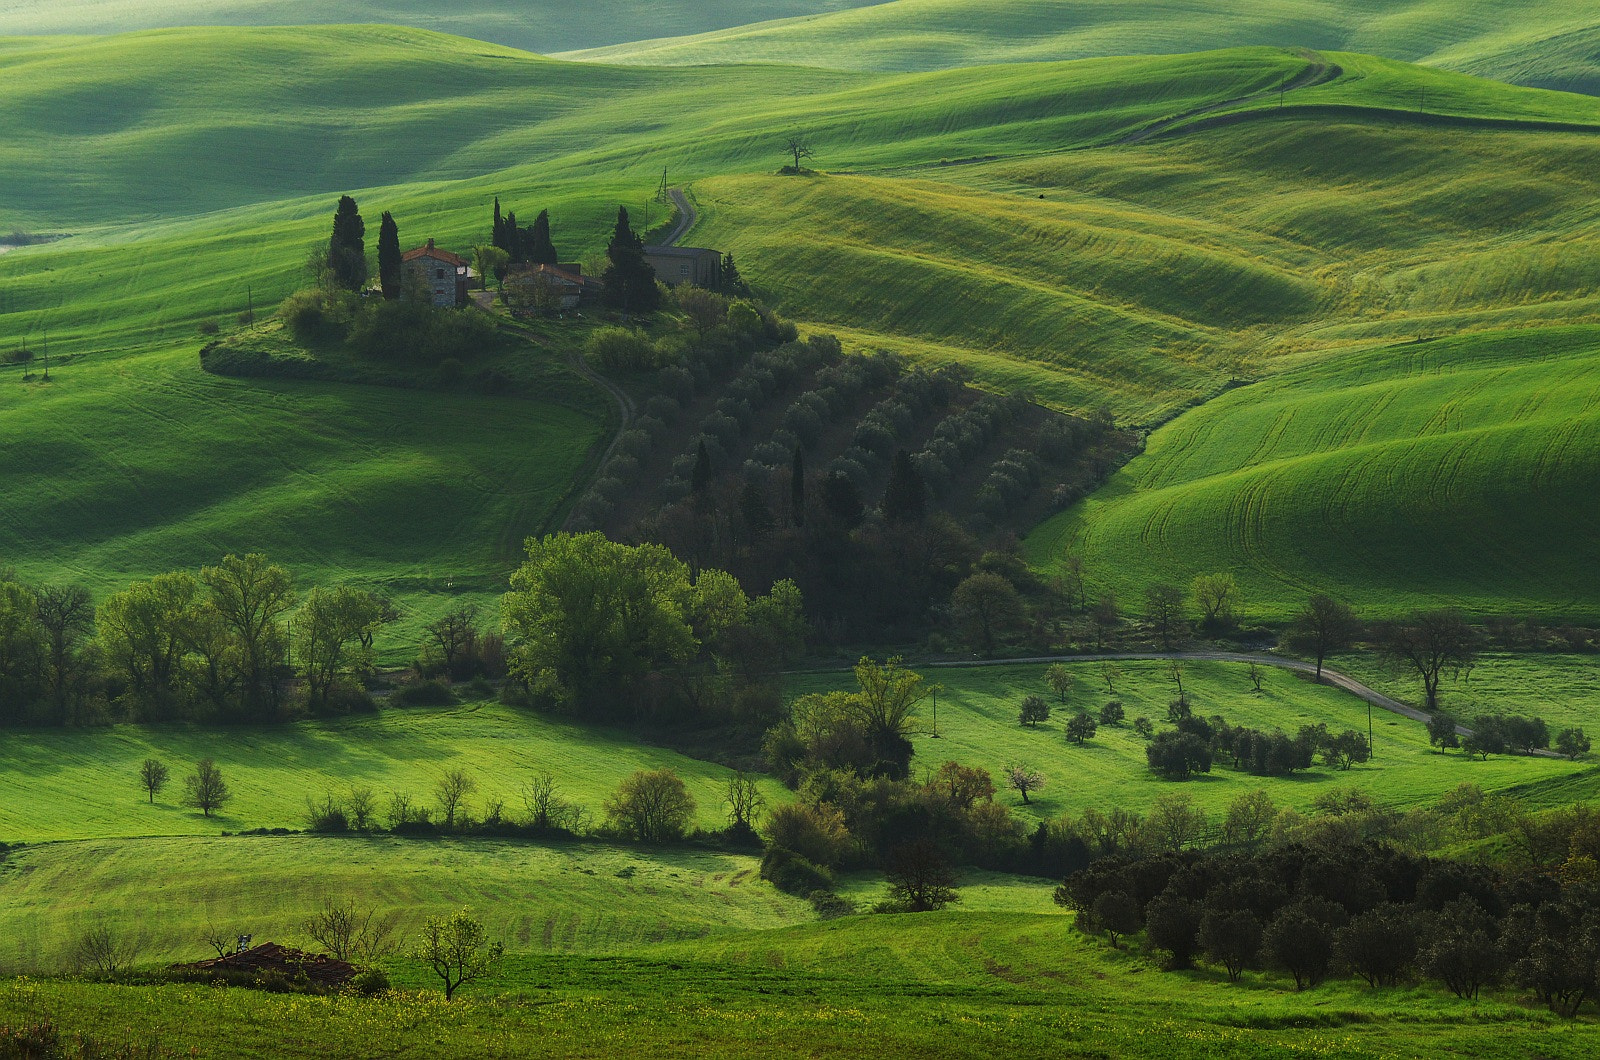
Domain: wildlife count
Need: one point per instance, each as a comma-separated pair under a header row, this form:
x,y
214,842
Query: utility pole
x,y
46,355
250,306
1370,752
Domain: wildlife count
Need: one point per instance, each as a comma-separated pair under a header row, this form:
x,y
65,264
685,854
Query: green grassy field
x,y
577,897
949,984
1328,477
977,724
1562,689
71,785
532,25
1545,42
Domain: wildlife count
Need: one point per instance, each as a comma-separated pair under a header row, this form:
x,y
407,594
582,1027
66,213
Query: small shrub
x,y
424,694
830,906
370,983
208,327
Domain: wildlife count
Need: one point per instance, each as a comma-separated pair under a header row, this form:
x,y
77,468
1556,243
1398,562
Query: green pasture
x,y
1562,689
977,726
164,893
532,25
77,785
1547,43
1454,472
959,984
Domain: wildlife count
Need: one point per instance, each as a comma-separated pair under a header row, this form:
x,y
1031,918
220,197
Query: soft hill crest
x,y
1538,42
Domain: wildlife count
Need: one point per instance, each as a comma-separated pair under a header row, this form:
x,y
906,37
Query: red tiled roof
x,y
431,251
559,274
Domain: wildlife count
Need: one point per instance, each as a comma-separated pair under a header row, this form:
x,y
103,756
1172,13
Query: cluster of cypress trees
x,y
347,250
629,279
530,245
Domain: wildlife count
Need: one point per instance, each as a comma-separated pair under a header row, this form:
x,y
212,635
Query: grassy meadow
x,y
1546,43
569,897
74,785
977,726
1329,476
959,984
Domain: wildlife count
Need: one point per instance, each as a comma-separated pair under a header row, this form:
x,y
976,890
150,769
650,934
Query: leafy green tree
x,y
1442,730
1034,710
590,618
630,282
1345,750
253,596
1378,945
391,266
65,615
1324,626
204,789
153,776
1572,742
140,631
1117,913
886,709
347,250
1112,713
491,261
1059,678
334,629
1299,941
1176,754
797,488
985,607
651,806
1231,938
1081,727
1173,924
1460,949
920,878
905,497
1163,611
1431,643
458,950
842,498
1217,596
1023,779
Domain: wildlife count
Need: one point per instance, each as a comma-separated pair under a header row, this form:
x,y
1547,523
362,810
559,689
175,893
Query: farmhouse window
x,y
438,273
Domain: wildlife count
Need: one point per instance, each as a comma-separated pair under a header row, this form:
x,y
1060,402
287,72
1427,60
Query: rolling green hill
x,y
978,727
1082,249
1453,472
85,785
532,25
959,984
1547,43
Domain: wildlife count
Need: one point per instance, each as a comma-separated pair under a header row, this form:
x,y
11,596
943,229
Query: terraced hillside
x,y
1546,43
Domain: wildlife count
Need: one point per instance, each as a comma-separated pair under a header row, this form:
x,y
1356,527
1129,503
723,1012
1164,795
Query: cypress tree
x,y
499,237
630,281
729,281
347,248
700,478
512,240
797,488
904,500
389,264
541,251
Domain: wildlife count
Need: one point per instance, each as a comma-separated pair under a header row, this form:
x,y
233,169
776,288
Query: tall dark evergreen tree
x,y
541,251
347,248
629,280
797,488
513,239
389,263
904,499
498,238
729,282
700,478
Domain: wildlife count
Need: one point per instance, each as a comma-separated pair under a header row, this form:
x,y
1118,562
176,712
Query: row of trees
x,y
1364,910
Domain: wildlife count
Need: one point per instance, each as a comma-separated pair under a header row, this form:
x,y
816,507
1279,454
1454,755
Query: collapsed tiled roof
x,y
431,251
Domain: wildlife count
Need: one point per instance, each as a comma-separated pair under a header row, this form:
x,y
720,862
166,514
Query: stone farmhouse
x,y
443,274
561,286
696,265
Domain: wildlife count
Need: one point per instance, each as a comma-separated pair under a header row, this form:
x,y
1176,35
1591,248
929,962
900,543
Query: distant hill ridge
x,y
1542,43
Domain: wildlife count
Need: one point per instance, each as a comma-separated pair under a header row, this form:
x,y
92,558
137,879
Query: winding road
x,y
687,216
